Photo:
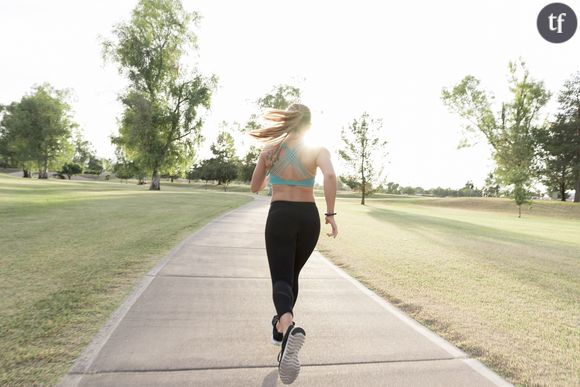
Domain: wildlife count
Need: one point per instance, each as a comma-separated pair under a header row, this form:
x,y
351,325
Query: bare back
x,y
307,157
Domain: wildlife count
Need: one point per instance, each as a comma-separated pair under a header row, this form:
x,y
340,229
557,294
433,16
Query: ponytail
x,y
284,122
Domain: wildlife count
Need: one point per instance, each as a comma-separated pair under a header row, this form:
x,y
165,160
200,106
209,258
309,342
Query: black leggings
x,y
292,230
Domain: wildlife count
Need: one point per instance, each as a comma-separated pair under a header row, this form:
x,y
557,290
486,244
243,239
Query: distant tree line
x,y
489,189
469,190
160,129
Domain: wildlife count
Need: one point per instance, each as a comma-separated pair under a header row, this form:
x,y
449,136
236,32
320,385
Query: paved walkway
x,y
202,317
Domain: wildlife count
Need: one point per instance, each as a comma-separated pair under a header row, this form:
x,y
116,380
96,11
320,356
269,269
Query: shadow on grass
x,y
526,257
79,199
429,226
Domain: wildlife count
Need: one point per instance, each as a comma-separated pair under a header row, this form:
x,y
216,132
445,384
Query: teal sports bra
x,y
290,159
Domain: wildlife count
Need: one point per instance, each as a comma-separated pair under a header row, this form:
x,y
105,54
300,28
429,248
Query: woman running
x,y
293,224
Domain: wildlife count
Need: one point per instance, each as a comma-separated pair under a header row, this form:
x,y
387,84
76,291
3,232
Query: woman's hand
x,y
330,220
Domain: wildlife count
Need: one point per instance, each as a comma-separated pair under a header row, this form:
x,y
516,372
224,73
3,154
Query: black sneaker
x,y
288,362
277,337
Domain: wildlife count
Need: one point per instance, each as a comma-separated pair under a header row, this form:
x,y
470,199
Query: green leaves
x,y
38,129
149,47
280,97
510,132
474,105
161,125
559,143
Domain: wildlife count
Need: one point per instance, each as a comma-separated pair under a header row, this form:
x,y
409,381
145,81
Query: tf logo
x,y
557,22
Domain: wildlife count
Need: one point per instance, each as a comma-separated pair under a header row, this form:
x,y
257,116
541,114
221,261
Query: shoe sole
x,y
290,364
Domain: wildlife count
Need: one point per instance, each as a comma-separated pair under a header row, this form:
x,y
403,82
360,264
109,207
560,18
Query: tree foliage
x,y
70,169
248,164
161,125
280,97
225,163
559,143
83,150
37,130
510,131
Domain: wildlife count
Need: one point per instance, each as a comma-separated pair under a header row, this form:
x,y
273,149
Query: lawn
x,y
503,289
71,252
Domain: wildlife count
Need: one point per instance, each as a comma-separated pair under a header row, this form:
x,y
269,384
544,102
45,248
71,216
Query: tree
x,y
70,169
393,188
83,150
107,164
559,143
569,100
556,145
125,169
491,186
410,190
280,97
37,130
510,132
160,126
94,165
208,170
226,162
362,151
248,164
469,190
7,157
194,173
224,148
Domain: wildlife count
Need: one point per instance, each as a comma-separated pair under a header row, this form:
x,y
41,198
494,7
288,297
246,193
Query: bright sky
x,y
388,58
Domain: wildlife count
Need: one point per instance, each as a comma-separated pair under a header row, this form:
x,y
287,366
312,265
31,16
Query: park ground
x,y
502,288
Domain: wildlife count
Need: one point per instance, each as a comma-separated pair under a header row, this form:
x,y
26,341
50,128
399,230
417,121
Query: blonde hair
x,y
285,121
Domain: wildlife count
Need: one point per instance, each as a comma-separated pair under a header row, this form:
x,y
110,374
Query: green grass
x,y
71,252
503,289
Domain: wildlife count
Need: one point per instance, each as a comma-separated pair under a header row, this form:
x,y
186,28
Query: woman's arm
x,y
325,164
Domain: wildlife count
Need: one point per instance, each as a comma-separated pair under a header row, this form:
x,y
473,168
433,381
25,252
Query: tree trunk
x,y
42,171
519,211
577,188
155,181
363,193
26,173
563,191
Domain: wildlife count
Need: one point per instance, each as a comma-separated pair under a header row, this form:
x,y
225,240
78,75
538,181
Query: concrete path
x,y
202,317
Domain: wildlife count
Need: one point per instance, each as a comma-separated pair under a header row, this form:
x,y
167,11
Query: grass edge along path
x,y
72,252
